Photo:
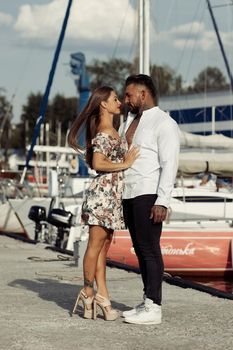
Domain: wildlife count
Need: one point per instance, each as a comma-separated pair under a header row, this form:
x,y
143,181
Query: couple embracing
x,y
136,169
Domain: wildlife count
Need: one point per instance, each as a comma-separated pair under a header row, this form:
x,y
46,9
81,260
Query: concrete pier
x,y
37,294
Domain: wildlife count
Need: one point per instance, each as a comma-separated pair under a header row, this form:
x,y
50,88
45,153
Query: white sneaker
x,y
136,309
150,314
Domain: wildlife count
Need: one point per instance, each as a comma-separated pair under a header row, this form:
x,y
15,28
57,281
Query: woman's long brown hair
x,y
89,118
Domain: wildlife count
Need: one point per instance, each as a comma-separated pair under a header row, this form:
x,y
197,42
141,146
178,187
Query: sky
x,y
181,36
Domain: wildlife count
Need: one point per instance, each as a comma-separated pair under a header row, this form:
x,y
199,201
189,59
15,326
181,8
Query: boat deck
x,y
37,296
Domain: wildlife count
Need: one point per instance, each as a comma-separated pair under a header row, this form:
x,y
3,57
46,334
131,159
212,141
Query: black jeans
x,y
145,237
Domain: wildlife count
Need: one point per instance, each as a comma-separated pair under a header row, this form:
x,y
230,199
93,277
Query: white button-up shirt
x,y
154,171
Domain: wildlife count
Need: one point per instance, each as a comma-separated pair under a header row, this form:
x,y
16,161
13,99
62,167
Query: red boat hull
x,y
185,253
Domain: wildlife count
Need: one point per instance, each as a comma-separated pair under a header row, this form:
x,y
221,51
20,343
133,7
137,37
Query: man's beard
x,y
133,109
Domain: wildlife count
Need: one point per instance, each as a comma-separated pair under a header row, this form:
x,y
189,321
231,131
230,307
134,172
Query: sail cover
x,y
191,163
217,141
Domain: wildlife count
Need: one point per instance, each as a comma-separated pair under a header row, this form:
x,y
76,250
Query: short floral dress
x,y
103,202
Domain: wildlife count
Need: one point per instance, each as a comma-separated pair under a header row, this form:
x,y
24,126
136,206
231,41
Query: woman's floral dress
x,y
103,203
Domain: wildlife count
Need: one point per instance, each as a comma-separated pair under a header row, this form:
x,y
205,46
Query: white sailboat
x,y
197,237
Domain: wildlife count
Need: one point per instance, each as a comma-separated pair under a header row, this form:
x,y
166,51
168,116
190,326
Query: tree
x,y
210,78
115,71
64,110
61,111
5,123
17,134
29,116
112,73
166,80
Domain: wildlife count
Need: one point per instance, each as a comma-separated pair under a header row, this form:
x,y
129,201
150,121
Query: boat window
x,y
203,199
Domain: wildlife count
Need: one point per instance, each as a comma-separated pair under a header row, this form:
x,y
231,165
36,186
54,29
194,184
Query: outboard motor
x,y
63,220
38,215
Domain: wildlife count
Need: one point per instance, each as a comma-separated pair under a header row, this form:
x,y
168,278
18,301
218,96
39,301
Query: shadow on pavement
x,y
63,294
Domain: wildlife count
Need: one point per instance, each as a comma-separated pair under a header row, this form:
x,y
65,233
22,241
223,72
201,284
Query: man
x,y
148,187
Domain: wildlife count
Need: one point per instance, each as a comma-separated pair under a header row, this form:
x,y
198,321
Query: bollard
x,y
76,252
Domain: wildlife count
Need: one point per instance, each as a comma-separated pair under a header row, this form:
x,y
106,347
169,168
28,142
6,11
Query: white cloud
x,y
5,19
192,28
227,39
196,35
91,22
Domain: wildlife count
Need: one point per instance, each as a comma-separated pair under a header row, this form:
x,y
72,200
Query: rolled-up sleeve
x,y
168,152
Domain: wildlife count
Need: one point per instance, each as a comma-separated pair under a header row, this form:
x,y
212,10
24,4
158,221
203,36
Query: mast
x,y
78,68
220,43
144,36
44,102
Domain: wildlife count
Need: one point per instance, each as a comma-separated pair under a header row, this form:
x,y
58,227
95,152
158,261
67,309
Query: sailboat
x,y
197,238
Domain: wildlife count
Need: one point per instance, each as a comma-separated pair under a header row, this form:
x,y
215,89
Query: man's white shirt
x,y
154,172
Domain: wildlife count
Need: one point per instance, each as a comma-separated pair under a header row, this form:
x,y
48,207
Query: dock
x,y
38,289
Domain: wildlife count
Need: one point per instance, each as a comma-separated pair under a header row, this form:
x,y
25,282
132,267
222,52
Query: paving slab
x,y
38,288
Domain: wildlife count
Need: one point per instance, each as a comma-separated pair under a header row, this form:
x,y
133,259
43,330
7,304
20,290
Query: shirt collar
x,y
131,116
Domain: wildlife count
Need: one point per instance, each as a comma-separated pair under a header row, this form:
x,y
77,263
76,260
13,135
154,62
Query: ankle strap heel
x,y
105,305
88,305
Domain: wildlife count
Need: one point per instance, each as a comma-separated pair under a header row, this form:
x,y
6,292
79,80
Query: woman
x,y
107,154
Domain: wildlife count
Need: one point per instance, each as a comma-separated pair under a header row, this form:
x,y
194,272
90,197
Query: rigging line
x,y
188,37
25,65
170,13
167,17
159,67
132,47
120,31
155,24
134,41
230,88
229,25
22,73
223,5
193,48
220,43
194,45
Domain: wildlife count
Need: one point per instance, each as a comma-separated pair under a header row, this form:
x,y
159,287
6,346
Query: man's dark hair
x,y
143,79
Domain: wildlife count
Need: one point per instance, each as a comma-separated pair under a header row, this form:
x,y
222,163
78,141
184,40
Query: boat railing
x,y
10,188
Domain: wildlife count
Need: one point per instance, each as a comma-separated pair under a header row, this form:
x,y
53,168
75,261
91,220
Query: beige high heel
x,y
88,305
104,303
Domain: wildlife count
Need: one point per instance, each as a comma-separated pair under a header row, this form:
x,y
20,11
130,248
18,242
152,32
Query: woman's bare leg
x,y
97,237
100,275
